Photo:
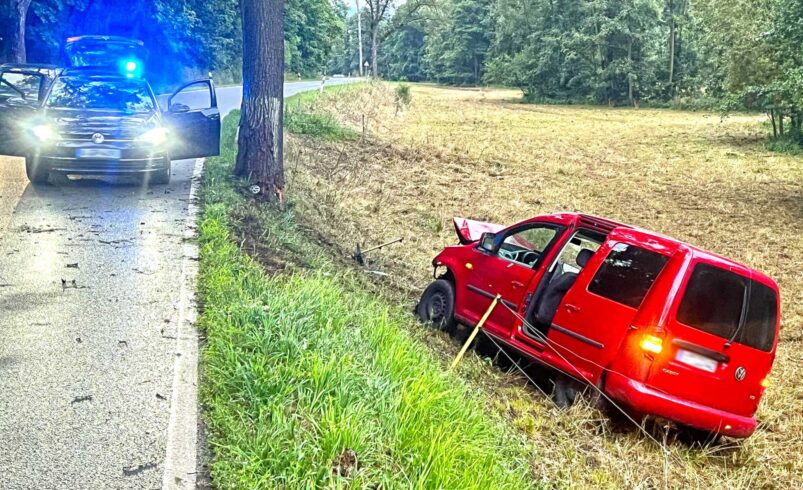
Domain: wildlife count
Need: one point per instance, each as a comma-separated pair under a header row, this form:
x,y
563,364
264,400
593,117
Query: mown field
x,y
406,171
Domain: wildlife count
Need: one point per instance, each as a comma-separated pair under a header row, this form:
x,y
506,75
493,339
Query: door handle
x,y
517,284
572,308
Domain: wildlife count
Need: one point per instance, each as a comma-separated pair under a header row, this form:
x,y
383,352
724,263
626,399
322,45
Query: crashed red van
x,y
660,326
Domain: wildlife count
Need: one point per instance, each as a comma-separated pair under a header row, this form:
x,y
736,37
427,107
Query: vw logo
x,y
98,138
740,373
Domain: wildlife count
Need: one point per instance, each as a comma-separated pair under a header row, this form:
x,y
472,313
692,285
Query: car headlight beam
x,y
45,133
156,136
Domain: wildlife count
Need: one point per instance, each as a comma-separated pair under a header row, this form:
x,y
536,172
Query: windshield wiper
x,y
743,319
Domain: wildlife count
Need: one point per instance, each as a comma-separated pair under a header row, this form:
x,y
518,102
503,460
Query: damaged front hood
x,y
470,231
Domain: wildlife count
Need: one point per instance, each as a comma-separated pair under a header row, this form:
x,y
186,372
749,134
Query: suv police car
x,y
106,120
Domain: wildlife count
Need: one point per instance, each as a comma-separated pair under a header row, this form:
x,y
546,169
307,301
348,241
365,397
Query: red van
x,y
660,326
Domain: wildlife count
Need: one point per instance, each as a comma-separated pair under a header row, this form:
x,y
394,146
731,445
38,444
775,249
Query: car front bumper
x,y
647,400
133,158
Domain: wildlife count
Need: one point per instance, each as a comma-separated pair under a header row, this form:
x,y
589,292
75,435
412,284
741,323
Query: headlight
x,y
155,136
45,133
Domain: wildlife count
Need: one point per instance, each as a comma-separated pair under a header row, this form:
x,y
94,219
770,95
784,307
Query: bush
x,y
404,96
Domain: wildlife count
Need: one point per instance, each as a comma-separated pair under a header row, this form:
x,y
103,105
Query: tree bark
x,y
375,52
774,126
260,141
12,30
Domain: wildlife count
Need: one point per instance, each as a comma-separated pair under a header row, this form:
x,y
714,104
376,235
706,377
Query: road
x,y
90,310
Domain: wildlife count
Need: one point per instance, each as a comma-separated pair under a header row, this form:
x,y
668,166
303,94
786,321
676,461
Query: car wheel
x,y
162,177
565,391
37,174
437,305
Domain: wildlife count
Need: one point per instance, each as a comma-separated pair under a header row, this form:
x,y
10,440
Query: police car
x,y
99,116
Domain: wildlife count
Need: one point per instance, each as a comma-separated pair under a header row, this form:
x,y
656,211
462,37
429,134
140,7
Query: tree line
x,y
184,38
739,54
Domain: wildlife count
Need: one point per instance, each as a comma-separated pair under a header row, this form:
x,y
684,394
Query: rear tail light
x,y
652,344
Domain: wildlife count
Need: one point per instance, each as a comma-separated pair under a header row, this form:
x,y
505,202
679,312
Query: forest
x,y
736,55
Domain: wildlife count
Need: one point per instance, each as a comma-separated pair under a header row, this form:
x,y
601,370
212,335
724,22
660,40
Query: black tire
x,y
565,392
162,177
436,307
36,173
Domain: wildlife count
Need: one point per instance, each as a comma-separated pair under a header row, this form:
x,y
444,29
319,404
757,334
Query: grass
x,y
307,382
302,118
482,154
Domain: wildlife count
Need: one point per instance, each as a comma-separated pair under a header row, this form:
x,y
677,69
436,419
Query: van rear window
x,y
627,274
714,303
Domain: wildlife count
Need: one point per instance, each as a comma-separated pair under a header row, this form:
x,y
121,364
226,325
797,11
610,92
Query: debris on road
x,y
81,399
136,470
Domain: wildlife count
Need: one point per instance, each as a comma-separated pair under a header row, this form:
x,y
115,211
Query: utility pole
x,y
359,34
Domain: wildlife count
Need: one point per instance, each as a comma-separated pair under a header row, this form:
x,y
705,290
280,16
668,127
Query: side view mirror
x,y
179,108
487,242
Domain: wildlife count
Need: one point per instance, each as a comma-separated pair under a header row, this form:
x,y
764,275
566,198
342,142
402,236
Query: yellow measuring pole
x,y
475,332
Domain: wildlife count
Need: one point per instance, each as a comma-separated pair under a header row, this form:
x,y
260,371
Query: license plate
x,y
98,153
696,360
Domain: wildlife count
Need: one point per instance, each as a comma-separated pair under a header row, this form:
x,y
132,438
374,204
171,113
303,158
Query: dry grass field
x,y
481,154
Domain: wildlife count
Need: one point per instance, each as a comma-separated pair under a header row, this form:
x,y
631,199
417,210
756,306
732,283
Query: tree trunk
x,y
359,37
780,124
260,140
12,30
671,48
774,126
630,72
375,51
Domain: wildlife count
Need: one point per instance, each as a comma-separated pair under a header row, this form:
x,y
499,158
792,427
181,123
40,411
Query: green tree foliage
x,y
734,54
190,37
312,28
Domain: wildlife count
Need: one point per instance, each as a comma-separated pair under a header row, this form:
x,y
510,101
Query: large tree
x,y
13,14
260,141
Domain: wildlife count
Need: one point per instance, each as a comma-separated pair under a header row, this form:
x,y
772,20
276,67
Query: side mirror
x,y
179,108
487,242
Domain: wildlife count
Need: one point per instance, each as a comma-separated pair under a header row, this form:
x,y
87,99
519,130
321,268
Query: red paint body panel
x,y
597,340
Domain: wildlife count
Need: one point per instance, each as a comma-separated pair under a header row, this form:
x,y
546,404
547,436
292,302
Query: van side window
x,y
714,300
627,274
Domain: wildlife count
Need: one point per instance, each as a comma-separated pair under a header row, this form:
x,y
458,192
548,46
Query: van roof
x,y
607,225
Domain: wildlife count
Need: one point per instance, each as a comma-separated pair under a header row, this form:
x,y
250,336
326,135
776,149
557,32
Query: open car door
x,y
22,89
194,119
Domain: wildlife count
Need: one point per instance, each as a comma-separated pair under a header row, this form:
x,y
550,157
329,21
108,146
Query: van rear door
x,y
720,339
597,312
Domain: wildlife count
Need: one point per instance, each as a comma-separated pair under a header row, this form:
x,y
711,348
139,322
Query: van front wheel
x,y
437,306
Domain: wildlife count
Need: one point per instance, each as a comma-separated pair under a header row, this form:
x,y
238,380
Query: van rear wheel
x,y
437,306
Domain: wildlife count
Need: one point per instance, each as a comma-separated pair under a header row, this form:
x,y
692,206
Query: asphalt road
x,y
90,274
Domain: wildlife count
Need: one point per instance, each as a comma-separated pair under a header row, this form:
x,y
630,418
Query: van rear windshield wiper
x,y
743,319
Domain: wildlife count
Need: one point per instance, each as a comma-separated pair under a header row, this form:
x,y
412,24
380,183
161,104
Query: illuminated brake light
x,y
651,343
765,383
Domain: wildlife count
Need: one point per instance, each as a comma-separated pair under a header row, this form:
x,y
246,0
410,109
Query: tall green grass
x,y
302,118
309,383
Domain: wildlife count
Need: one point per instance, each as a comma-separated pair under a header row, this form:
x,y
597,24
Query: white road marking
x,y
180,462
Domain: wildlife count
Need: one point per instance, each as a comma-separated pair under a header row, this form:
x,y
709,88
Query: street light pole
x,y
359,34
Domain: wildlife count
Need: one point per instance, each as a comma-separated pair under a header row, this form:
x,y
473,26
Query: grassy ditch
x,y
482,154
310,383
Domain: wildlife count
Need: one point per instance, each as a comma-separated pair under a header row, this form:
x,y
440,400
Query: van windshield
x,y
714,303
